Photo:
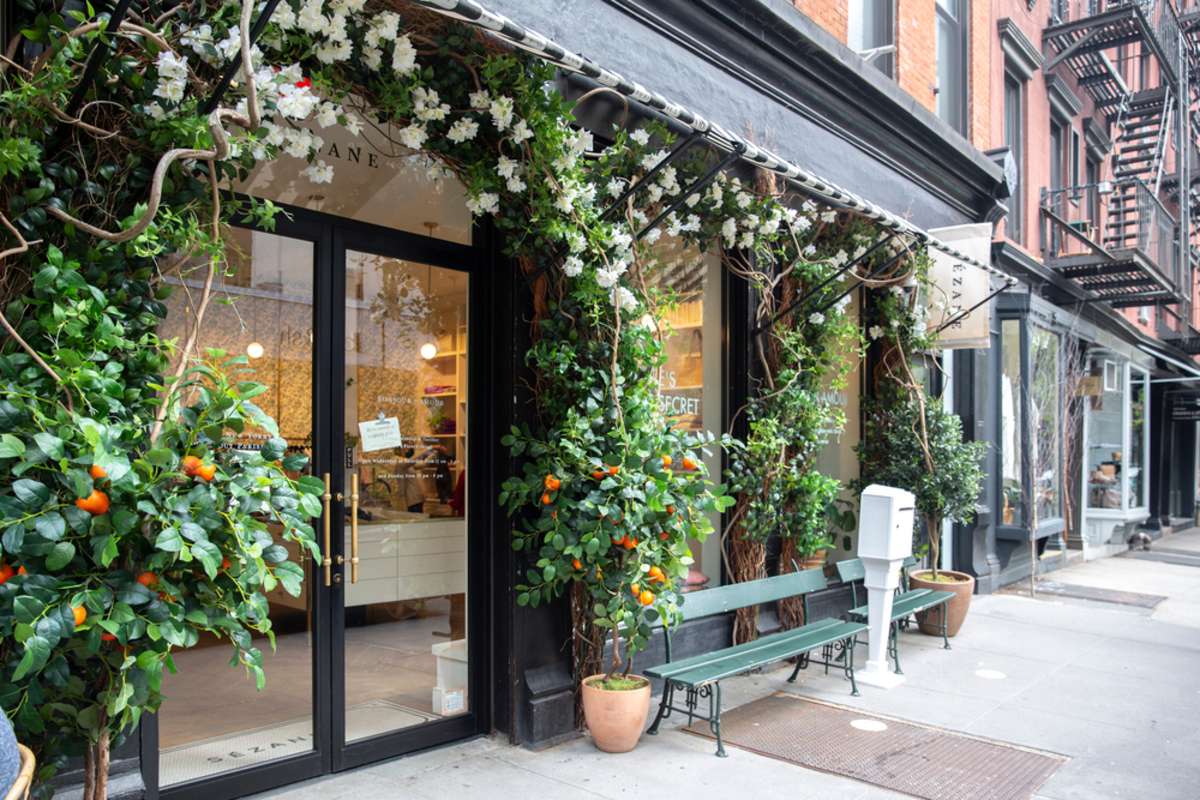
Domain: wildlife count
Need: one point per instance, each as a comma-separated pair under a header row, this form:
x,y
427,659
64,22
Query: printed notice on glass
x,y
379,434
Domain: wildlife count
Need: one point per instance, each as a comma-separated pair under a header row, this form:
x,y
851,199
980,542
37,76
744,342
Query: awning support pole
x,y
633,187
964,314
697,186
97,57
813,291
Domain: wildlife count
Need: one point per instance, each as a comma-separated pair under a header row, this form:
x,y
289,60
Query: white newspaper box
x,y
885,531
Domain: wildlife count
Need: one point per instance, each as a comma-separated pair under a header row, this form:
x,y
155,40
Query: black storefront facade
x,y
757,68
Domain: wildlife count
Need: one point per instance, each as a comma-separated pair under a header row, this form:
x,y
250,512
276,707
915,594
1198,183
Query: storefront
x,y
392,335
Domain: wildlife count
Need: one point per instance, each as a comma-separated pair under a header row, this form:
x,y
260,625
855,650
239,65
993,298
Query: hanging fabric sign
x,y
956,287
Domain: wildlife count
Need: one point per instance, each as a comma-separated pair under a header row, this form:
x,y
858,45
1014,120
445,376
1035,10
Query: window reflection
x,y
1105,433
1137,440
1012,467
1045,410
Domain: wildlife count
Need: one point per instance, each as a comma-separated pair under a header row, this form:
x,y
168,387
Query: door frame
x,y
330,236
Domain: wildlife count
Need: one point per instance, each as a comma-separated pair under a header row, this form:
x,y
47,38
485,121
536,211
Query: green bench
x,y
700,676
905,604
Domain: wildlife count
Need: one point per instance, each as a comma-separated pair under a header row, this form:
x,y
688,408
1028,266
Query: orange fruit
x,y
147,579
663,536
613,470
21,571
107,637
552,483
667,461
688,464
95,503
670,509
225,562
6,572
80,615
656,574
629,542
646,597
634,589
190,464
98,472
205,472
546,500
598,474
576,564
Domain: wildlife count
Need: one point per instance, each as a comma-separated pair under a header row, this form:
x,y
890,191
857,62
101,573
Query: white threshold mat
x,y
189,762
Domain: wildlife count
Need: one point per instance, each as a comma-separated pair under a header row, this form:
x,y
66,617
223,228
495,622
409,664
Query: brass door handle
x,y
354,528
327,561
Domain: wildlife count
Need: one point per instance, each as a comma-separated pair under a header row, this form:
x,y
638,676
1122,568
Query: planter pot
x,y
963,587
615,718
813,561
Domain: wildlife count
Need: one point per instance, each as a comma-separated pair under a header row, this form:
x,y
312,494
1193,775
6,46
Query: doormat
x,y
189,762
1078,592
902,756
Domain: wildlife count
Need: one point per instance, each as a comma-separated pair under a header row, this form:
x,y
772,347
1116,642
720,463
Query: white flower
x,y
747,240
623,299
573,266
641,136
652,160
171,91
413,136
810,250
296,102
507,167
801,224
744,199
334,51
171,66
372,57
501,110
842,304
897,290
463,130
404,56
919,328
515,184
621,240
564,203
319,172
387,25
615,187
576,242
479,100
692,200
521,131
829,216
652,235
353,124
859,252
816,318
729,231
310,19
840,258
607,278
875,331
327,115
154,111
276,134
654,193
428,105
485,202
231,44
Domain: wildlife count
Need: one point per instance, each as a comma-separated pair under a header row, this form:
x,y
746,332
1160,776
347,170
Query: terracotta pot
x,y
615,718
931,621
813,561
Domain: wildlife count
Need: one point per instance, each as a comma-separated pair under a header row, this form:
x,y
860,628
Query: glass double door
x,y
362,337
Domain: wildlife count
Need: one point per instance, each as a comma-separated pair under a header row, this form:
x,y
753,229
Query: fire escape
x,y
1119,239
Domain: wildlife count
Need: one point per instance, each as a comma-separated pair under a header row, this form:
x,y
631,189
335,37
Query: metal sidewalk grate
x,y
905,757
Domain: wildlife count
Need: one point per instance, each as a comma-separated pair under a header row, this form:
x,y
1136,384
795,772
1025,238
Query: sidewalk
x,y
1114,687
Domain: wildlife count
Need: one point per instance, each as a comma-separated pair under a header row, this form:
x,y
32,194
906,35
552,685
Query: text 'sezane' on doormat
x,y
905,757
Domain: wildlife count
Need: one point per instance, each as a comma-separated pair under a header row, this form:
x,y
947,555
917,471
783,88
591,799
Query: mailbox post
x,y
885,532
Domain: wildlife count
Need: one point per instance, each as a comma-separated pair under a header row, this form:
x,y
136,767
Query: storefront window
x,y
1045,416
1105,450
1012,466
1136,486
690,381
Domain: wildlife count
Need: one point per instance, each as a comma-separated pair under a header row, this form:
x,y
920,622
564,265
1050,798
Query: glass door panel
x,y
213,719
405,527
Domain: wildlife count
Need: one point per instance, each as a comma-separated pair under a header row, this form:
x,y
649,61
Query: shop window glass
x,y
1012,467
1104,451
690,380
1045,416
1136,486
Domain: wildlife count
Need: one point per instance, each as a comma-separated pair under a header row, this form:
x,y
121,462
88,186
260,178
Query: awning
x,y
809,183
1191,371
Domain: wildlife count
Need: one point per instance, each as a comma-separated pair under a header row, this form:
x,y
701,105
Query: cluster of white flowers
x,y
510,170
573,266
623,299
484,203
464,129
172,76
319,172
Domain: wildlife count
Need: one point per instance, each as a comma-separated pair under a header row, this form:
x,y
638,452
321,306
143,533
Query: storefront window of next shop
x,y
1116,434
690,382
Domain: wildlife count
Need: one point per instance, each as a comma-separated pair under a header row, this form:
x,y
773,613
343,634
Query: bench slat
x,y
736,663
693,662
908,603
722,599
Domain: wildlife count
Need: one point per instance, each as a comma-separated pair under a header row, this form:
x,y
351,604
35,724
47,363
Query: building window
x,y
1092,179
1012,464
1014,137
871,32
1117,434
1045,423
1057,142
1136,486
952,63
1074,166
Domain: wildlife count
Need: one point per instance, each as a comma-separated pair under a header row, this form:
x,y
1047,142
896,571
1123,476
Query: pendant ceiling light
x,y
429,349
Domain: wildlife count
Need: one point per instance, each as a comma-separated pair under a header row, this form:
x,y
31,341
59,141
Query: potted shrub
x,y
917,445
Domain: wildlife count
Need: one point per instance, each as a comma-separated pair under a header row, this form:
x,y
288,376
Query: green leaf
x,y
60,555
26,609
169,541
11,446
291,577
51,525
33,494
49,444
37,651
209,555
310,505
